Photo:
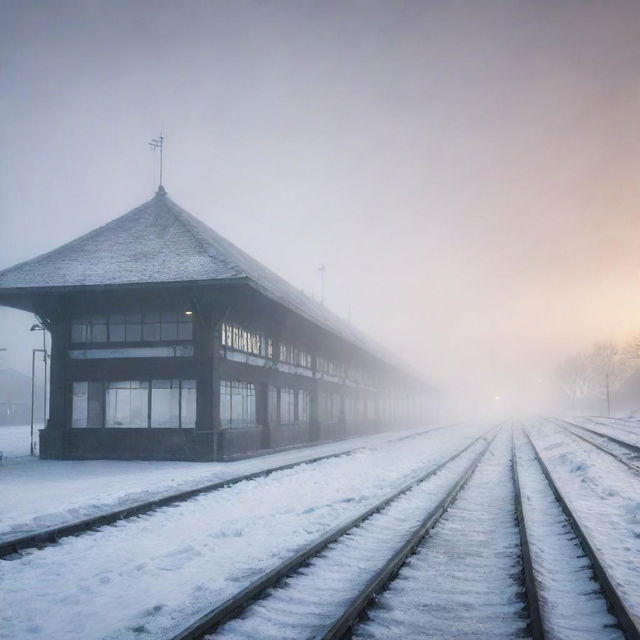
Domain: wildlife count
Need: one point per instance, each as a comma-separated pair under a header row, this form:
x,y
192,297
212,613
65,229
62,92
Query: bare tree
x,y
609,366
574,376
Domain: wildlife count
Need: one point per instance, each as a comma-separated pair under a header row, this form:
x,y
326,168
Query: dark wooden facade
x,y
387,394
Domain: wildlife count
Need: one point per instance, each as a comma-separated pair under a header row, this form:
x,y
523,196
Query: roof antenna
x,y
158,143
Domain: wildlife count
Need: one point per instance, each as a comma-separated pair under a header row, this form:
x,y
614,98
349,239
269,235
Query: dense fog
x,y
468,172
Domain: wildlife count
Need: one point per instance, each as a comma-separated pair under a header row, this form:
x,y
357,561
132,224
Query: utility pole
x,y
38,327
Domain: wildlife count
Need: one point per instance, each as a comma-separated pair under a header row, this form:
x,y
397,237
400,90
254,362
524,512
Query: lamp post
x,y
38,327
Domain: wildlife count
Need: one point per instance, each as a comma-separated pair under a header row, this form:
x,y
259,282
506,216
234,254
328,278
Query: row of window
x,y
238,404
235,337
329,407
240,339
172,326
133,327
135,404
172,404
288,406
295,356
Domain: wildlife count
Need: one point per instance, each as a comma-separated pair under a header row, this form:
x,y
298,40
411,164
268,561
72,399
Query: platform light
x,y
188,313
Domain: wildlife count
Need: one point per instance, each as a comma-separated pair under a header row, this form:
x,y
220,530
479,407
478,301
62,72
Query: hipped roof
x,y
160,242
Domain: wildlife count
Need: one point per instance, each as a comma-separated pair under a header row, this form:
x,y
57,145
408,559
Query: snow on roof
x,y
159,242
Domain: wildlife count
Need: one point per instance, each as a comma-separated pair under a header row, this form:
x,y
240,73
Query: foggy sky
x,y
469,172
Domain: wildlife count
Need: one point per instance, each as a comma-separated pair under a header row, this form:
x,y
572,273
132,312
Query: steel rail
x,y
233,606
633,448
621,426
356,607
559,423
51,535
530,584
628,621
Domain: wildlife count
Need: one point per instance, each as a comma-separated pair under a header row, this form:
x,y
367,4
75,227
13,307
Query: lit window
x,y
240,339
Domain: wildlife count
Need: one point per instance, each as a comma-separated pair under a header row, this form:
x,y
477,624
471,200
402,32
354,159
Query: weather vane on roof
x,y
157,143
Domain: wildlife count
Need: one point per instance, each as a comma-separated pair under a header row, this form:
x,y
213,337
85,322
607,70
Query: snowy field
x,y
152,575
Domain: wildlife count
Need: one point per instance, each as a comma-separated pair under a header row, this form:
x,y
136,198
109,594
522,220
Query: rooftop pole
x,y
158,143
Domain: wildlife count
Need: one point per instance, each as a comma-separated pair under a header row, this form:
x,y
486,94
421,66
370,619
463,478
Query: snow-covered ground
x,y
150,576
605,497
156,573
37,494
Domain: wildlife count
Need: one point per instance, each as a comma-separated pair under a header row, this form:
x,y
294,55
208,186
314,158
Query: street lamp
x,y
38,327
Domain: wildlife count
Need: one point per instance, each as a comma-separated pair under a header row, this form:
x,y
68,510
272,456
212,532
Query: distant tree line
x,y
598,373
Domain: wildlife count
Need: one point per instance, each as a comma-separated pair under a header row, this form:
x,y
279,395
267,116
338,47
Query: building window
x,y
89,329
165,403
303,406
237,403
287,413
134,404
79,407
295,356
188,404
274,412
167,326
235,337
329,407
336,407
127,404
330,367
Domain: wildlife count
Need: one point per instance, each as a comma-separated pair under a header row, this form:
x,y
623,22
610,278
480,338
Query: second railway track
x,y
624,452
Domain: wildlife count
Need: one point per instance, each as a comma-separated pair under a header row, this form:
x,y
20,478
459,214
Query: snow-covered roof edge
x,y
241,265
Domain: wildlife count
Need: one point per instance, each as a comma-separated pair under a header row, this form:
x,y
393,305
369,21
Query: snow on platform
x,y
38,494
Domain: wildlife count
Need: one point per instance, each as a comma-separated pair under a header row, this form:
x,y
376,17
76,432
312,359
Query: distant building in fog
x,y
169,342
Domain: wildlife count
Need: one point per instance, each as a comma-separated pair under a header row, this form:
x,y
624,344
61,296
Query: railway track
x,y
51,535
629,425
483,544
371,532
320,595
464,580
633,448
627,454
558,578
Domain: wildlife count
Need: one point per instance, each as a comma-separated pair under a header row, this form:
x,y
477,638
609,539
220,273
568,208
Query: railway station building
x,y
169,342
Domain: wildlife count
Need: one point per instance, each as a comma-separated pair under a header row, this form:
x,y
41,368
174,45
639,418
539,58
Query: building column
x,y
204,341
52,437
